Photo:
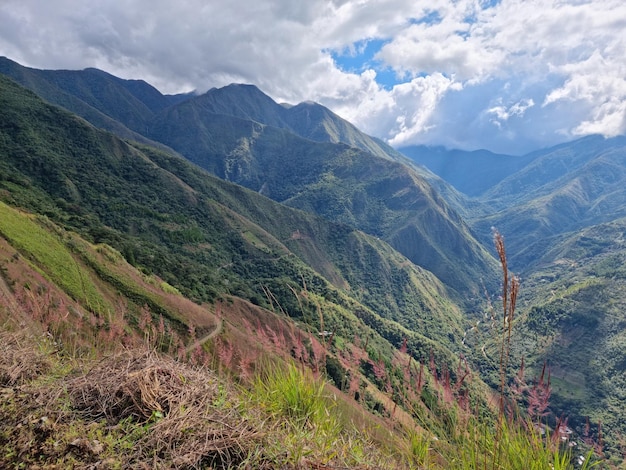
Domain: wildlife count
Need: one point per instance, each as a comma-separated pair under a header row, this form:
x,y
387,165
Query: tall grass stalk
x,y
510,289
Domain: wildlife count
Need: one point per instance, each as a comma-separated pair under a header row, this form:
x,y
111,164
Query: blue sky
x,y
361,56
509,76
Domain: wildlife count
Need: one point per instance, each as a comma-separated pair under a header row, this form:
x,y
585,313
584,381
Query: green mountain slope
x,y
573,317
88,341
567,188
184,231
562,216
118,230
89,377
101,385
108,102
549,169
344,184
304,156
308,120
201,234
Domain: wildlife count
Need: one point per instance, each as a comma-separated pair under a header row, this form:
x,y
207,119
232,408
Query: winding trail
x,y
205,338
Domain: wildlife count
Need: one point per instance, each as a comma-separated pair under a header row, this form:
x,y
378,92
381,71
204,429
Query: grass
x,y
294,394
137,408
50,254
131,289
130,409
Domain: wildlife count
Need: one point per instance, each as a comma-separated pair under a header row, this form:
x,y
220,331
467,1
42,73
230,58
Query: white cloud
x,y
463,65
503,113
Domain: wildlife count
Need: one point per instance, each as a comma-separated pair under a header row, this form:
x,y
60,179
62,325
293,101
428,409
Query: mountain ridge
x,y
145,202
471,172
565,188
272,159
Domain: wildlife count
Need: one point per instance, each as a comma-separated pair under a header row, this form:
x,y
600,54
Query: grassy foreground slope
x,y
103,374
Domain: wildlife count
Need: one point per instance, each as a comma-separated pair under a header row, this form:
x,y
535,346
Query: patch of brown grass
x,y
189,416
19,361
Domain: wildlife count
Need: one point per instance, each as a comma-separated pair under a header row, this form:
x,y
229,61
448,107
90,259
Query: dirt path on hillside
x,y
205,338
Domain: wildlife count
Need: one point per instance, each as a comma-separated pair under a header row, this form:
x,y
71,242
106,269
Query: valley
x,y
224,227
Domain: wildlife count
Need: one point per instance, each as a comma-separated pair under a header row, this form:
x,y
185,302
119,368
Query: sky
x,y
510,76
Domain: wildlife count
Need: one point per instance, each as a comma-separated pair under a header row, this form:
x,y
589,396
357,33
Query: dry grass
x,y
189,417
132,409
140,409
19,361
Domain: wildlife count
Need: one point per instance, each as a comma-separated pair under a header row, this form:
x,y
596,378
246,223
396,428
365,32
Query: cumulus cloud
x,y
509,76
503,113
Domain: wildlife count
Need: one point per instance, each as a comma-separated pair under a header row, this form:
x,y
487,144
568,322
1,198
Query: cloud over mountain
x,y
505,75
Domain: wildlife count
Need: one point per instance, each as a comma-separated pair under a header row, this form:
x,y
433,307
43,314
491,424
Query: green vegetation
x,y
201,235
135,408
303,343
303,156
579,327
239,406
51,255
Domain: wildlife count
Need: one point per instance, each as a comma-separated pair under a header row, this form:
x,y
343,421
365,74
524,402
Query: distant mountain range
x,y
562,212
472,173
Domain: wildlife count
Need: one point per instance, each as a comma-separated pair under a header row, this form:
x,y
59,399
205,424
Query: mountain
x,y
472,173
116,255
550,167
345,184
308,120
101,362
92,93
108,102
104,244
564,189
304,156
96,370
205,236
573,317
562,215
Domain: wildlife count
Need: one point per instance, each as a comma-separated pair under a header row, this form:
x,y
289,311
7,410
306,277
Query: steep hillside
x,y
550,168
563,219
567,188
241,135
377,195
93,89
203,235
106,100
104,365
308,120
573,317
104,244
105,321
